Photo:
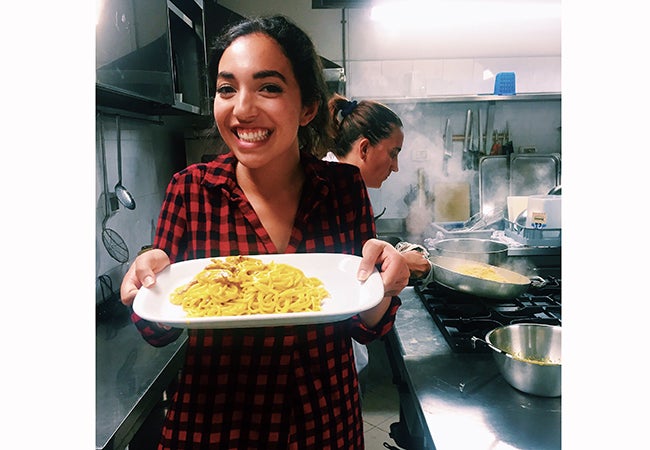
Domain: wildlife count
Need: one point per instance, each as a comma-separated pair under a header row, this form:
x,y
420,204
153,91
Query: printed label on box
x,y
538,219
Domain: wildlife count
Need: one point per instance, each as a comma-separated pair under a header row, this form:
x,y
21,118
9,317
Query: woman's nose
x,y
245,107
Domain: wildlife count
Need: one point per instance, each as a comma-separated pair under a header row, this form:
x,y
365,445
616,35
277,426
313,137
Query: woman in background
x,y
366,134
283,387
369,135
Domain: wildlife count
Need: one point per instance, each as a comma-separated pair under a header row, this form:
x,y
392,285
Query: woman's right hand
x,y
142,273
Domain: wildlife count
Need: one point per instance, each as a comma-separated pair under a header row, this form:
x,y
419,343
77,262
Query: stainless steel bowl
x,y
529,357
482,250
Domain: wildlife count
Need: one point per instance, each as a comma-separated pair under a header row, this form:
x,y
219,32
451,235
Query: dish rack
x,y
533,237
459,230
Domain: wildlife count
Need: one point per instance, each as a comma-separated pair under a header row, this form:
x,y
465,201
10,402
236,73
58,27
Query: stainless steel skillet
x,y
448,272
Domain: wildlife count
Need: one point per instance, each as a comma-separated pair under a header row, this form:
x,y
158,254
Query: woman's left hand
x,y
394,270
418,264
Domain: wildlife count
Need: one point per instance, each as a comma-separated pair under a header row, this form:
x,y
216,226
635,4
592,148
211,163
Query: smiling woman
x,y
251,388
274,80
256,93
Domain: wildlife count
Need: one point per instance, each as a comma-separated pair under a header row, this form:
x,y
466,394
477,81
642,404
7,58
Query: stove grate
x,y
461,316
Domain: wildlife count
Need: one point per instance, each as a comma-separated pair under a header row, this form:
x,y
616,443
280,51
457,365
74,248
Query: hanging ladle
x,y
113,242
123,195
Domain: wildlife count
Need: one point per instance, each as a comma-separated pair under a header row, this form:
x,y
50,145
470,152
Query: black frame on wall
x,y
338,4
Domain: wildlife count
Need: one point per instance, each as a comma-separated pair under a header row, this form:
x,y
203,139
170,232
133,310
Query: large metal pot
x,y
529,357
447,271
482,250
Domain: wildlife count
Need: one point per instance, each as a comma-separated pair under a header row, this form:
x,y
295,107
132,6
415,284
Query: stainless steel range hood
x,y
334,76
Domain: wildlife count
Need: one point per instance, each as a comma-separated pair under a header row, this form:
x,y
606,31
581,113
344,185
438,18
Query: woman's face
x,y
381,159
257,106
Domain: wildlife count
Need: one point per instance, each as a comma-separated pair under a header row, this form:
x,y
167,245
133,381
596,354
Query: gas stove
x,y
460,316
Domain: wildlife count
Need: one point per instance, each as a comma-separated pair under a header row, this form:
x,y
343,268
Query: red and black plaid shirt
x,y
291,387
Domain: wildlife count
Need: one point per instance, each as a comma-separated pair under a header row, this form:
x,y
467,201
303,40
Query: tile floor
x,y
380,403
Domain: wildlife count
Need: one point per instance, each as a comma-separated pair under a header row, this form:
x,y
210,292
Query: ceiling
x,y
426,29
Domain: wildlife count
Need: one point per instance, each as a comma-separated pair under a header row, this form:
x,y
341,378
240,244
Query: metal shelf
x,y
525,97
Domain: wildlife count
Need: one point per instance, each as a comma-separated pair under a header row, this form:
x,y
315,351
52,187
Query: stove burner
x,y
460,316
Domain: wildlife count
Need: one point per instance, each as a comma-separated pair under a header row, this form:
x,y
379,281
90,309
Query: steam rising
x,y
423,150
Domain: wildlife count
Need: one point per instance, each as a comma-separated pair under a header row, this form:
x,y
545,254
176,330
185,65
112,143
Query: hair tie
x,y
348,108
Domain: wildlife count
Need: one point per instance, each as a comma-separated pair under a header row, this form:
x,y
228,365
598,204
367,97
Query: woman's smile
x,y
252,135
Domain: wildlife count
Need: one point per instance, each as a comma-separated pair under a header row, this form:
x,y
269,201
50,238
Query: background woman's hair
x,y
307,68
368,118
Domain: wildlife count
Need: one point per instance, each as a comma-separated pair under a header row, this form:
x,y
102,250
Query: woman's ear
x,y
364,147
308,113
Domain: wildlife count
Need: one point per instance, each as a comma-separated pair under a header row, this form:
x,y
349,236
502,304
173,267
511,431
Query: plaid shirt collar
x,y
220,173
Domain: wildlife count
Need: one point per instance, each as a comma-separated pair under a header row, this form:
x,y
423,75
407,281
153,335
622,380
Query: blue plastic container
x,y
504,83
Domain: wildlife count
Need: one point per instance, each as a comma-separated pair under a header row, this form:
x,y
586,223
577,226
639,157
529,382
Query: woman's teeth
x,y
252,135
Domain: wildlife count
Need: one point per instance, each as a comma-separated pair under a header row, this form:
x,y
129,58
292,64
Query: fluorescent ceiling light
x,y
432,13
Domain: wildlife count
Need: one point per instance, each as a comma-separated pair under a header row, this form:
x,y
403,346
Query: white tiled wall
x,y
150,155
444,77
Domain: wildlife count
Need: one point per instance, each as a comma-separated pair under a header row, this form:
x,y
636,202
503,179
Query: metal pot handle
x,y
498,350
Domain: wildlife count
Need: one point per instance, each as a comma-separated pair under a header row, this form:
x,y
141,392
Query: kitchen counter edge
x,y
456,401
131,377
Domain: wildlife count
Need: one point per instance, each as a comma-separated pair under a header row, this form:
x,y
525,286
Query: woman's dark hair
x,y
352,120
306,64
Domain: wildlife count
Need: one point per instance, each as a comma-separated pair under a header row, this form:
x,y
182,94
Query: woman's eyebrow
x,y
269,73
257,75
226,75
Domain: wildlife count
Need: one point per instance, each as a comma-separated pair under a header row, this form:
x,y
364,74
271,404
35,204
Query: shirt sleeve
x,y
428,278
364,335
154,333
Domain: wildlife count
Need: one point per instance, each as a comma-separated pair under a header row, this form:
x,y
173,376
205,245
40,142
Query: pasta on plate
x,y
241,285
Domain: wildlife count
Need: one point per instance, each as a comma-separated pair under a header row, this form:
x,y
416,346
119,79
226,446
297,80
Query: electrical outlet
x,y
420,155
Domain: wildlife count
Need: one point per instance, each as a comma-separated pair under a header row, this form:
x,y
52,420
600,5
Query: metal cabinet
x,y
150,56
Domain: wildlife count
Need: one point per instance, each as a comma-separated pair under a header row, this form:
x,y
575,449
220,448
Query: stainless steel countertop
x,y
131,376
462,399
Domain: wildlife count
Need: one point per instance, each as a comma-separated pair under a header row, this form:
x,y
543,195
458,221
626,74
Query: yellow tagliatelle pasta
x,y
486,273
240,285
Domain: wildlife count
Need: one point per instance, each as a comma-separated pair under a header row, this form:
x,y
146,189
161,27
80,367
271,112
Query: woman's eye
x,y
225,90
272,89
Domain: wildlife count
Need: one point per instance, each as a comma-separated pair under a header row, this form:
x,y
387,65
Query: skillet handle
x,y
538,281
